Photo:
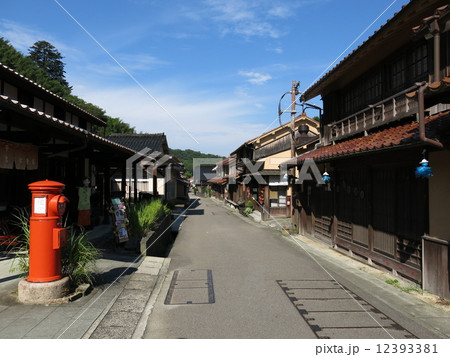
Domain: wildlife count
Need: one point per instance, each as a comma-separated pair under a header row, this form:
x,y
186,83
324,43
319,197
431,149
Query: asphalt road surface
x,y
232,278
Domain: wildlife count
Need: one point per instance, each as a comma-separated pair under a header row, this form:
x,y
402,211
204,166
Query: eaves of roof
x,y
46,91
274,130
226,161
397,137
58,123
384,33
218,180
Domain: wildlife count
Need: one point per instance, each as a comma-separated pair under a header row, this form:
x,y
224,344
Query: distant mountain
x,y
187,157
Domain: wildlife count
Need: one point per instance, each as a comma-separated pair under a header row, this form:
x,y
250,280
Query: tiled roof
x,y
398,136
439,86
218,180
441,11
57,97
226,161
22,108
138,142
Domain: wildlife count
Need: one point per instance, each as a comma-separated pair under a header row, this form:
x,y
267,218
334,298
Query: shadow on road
x,y
195,212
110,276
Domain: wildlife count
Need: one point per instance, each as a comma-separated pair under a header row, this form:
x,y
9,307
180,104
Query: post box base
x,y
42,293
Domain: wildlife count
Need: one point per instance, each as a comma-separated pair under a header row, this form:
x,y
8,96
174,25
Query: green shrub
x,y
78,256
144,215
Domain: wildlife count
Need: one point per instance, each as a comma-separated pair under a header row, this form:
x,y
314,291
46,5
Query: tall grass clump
x,y
144,215
21,221
78,256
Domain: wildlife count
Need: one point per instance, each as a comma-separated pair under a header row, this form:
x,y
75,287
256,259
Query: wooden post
x,y
155,182
293,93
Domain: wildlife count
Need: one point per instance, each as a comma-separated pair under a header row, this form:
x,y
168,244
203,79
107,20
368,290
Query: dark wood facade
x,y
62,142
386,106
374,207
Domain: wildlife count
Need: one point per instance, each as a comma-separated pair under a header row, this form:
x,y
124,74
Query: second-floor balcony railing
x,y
388,110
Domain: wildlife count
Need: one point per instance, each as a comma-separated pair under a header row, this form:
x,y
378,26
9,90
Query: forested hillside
x,y
188,156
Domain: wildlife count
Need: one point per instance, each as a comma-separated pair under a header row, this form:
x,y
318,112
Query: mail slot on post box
x,y
47,235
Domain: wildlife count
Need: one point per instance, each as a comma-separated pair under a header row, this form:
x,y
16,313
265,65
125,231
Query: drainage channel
x,y
333,311
190,287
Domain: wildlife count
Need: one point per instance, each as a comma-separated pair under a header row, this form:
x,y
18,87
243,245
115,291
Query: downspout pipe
x,y
422,133
437,50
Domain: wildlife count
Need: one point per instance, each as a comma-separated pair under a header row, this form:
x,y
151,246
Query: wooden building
x,y
220,183
152,171
386,107
262,178
43,136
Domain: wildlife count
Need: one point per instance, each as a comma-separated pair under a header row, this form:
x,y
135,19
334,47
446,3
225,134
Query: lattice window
x,y
374,87
398,74
419,63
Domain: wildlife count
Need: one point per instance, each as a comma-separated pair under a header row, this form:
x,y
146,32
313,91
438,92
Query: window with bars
x,y
406,67
373,88
366,91
398,75
419,63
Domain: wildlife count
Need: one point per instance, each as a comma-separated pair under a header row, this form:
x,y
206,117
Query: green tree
x,y
48,58
113,125
24,65
45,67
9,56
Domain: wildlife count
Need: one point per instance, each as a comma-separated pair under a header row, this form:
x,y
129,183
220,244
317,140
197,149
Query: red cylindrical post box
x,y
47,235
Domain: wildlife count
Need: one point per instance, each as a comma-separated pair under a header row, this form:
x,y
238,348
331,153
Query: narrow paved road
x,y
230,278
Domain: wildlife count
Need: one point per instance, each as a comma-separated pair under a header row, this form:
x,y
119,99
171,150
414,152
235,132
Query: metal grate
x,y
333,311
190,287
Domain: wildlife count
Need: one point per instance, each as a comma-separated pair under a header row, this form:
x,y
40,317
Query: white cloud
x,y
231,11
278,50
140,61
256,78
23,37
242,18
280,11
213,124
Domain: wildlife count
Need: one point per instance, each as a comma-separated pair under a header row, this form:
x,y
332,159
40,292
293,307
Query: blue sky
x,y
207,73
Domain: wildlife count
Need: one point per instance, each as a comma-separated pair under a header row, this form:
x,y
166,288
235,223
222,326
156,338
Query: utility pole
x,y
293,112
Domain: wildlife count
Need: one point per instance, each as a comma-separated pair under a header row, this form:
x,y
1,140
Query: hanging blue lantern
x,y
326,177
423,171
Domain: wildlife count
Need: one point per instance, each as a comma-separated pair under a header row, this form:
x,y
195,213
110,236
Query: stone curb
x,y
125,317
142,324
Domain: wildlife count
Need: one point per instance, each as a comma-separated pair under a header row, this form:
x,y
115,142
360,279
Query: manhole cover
x,y
190,287
333,311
